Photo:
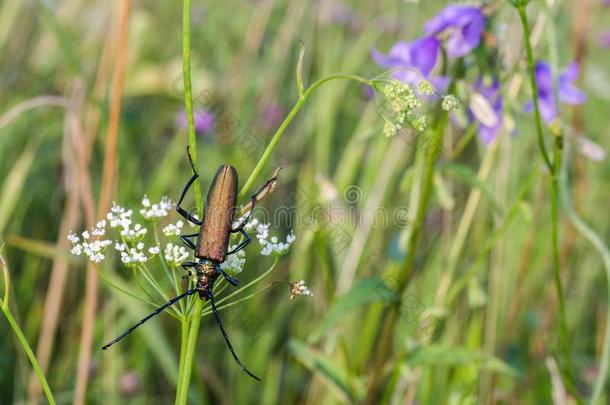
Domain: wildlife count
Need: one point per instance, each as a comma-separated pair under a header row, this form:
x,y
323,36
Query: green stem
x,y
188,92
188,342
186,363
280,131
553,167
28,350
534,87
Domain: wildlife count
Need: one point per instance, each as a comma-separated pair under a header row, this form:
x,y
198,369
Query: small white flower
x,y
73,238
173,229
154,250
133,256
274,247
134,234
234,263
158,210
93,249
119,217
175,254
299,288
120,246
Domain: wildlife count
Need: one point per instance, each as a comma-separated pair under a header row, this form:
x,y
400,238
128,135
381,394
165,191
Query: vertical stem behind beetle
x,y
190,328
553,167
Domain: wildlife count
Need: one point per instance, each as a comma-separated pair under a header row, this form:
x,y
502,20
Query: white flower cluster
x,y
119,217
93,249
131,257
299,288
270,247
173,229
158,210
175,254
234,263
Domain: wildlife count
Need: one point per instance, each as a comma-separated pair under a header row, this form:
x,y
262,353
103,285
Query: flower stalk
x,y
4,306
190,327
554,168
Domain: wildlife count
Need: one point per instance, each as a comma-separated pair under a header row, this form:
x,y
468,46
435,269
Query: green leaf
x,y
333,374
365,291
456,356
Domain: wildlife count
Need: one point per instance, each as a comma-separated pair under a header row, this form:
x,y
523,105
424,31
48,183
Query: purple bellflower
x,y
464,26
567,92
486,107
412,61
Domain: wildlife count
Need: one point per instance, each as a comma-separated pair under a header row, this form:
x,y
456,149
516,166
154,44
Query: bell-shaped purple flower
x,y
463,24
412,61
486,107
567,92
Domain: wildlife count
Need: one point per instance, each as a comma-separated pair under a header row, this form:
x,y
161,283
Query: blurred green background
x,y
496,335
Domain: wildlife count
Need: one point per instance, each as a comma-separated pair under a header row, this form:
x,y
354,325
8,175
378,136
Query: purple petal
x,y
407,76
548,108
570,73
488,134
440,83
450,16
424,52
544,78
467,24
568,93
398,56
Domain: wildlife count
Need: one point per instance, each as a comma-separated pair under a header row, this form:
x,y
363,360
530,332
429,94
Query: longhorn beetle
x,y
213,242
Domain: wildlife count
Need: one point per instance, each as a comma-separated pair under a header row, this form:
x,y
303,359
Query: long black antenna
x,y
224,334
147,317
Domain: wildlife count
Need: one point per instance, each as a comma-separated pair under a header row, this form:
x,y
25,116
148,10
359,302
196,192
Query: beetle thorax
x,y
206,277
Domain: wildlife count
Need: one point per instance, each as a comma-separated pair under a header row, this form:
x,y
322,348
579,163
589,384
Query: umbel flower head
x,y
404,104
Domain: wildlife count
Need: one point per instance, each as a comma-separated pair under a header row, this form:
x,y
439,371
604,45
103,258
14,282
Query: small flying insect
x,y
211,248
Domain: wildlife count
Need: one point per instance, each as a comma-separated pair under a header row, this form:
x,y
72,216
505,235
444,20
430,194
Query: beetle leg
x,y
224,335
242,244
233,281
181,210
147,317
185,239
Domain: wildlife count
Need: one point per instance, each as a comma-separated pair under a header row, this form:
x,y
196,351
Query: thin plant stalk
x,y
20,336
282,128
190,327
553,167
